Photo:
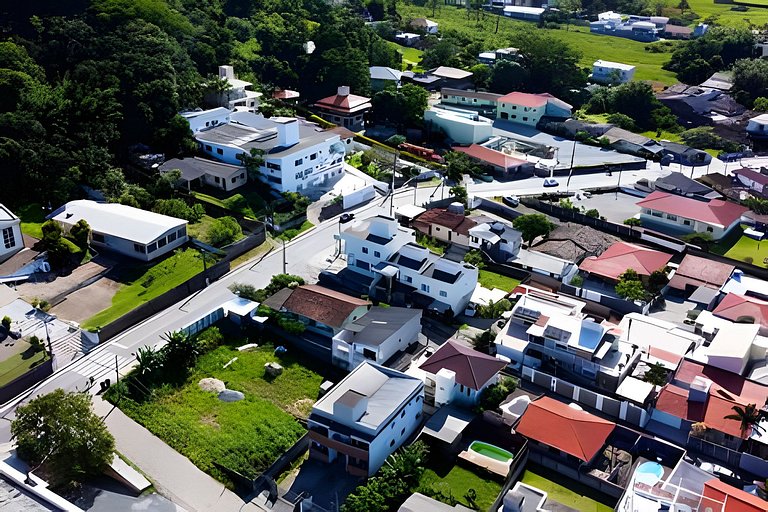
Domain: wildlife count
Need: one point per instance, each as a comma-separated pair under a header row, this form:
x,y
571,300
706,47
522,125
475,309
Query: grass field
x,y
32,218
723,15
19,363
246,201
742,248
145,282
568,496
457,481
411,56
492,280
246,436
592,47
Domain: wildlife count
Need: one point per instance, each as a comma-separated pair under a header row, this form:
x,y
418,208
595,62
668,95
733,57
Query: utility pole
x,y
284,262
392,189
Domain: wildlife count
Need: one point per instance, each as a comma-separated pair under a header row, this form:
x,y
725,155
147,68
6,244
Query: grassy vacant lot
x,y
569,496
723,15
411,56
592,47
144,282
456,481
492,280
245,200
246,436
32,218
742,248
19,360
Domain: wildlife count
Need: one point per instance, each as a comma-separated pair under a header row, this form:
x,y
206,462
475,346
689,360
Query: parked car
x,y
346,217
551,182
512,201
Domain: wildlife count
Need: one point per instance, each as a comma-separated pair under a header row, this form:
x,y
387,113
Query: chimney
x,y
287,131
226,72
343,90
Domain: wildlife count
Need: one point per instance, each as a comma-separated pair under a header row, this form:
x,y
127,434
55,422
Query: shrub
x,y
622,121
592,213
474,257
178,208
577,281
224,231
632,221
6,322
493,395
209,339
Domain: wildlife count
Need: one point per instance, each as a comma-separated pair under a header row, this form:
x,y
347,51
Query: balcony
x,y
340,447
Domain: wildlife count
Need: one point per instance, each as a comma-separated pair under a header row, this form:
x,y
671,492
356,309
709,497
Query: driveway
x,y
63,285
82,304
615,207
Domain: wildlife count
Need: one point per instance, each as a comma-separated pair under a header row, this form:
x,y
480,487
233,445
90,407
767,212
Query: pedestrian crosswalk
x,y
101,365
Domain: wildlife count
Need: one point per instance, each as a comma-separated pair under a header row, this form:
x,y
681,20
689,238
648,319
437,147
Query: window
x,y
234,179
365,250
425,288
710,229
98,237
443,293
514,107
9,239
445,96
392,443
369,354
686,222
408,279
172,237
272,165
152,247
299,175
504,115
671,217
139,248
208,148
514,117
162,242
461,388
363,265
298,162
377,254
402,432
657,214
219,151
313,156
525,119
474,100
242,175
182,232
402,415
216,179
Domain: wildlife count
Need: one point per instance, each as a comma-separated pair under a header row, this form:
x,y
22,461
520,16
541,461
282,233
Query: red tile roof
x,y
717,212
735,306
473,369
285,94
696,271
457,222
721,496
491,156
525,99
323,305
570,430
727,390
344,104
622,256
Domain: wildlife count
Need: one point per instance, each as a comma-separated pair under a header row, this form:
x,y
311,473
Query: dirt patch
x,y
63,284
210,420
300,408
86,302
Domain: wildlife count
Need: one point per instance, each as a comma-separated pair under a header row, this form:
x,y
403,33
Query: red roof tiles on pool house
x,y
573,431
490,156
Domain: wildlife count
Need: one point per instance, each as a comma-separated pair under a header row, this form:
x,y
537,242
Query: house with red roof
x,y
620,257
757,182
744,309
564,431
528,109
682,215
457,374
721,497
502,164
703,395
696,272
344,109
447,224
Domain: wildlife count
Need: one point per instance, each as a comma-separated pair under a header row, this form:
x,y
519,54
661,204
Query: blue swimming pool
x,y
649,473
590,335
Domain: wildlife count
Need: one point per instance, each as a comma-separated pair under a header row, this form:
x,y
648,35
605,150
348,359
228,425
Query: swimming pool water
x,y
491,451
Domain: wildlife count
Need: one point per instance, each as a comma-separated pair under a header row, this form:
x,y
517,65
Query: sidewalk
x,y
173,474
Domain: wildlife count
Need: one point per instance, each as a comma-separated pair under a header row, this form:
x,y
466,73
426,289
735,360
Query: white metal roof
x,y
118,220
634,389
613,65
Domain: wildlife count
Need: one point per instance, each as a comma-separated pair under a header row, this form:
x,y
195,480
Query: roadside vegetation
x,y
163,394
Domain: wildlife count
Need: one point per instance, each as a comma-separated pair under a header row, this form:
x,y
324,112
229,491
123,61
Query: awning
x,y
603,350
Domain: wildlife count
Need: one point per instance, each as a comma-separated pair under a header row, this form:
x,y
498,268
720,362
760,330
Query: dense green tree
x,y
552,65
717,49
507,76
60,432
460,164
750,80
402,107
634,100
442,53
532,226
223,231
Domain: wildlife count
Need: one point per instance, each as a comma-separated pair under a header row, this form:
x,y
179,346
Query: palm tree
x,y
749,417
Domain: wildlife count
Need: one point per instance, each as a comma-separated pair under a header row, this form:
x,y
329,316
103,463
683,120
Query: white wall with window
x,y
10,226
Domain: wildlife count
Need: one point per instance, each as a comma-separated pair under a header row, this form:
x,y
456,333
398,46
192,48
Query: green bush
x,y
210,339
632,221
475,257
6,322
493,395
224,231
179,209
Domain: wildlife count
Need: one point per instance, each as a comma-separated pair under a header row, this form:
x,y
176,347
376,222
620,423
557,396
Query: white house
x,y
365,418
378,247
201,119
428,26
376,336
457,374
461,126
10,225
757,127
209,172
124,229
237,95
528,109
298,155
680,215
608,72
473,99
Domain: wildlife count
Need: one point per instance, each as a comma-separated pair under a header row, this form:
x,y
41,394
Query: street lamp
x,y
46,319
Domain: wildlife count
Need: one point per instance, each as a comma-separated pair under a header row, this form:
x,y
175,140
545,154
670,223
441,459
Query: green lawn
x,y
245,201
32,218
742,248
492,280
592,47
200,229
723,15
246,436
431,243
145,282
456,482
569,496
411,56
20,363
